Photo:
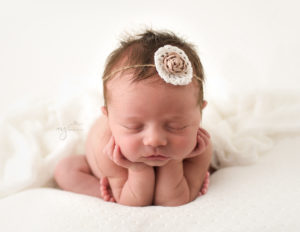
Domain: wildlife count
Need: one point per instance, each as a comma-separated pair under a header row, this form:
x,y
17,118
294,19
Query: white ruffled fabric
x,y
245,127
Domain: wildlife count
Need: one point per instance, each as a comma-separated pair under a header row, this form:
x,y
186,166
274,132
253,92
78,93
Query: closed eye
x,y
177,128
133,127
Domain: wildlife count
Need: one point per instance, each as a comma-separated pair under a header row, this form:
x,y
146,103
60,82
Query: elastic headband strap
x,y
136,66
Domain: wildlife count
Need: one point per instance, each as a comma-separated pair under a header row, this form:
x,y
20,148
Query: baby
x,y
148,148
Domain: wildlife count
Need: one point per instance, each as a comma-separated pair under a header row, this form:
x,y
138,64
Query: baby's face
x,y
151,119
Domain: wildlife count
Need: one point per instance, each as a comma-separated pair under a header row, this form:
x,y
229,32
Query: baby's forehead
x,y
123,90
127,81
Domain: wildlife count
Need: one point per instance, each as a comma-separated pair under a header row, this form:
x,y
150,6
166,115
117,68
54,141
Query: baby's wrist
x,y
140,168
172,165
175,162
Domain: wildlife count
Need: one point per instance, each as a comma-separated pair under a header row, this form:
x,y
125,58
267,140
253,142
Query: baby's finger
x,y
204,131
198,148
111,146
108,149
201,144
205,139
198,131
111,143
119,158
204,134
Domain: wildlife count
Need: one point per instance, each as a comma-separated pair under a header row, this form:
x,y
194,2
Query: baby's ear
x,y
104,110
204,104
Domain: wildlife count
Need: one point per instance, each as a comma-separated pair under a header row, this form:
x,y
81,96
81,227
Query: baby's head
x,y
148,113
139,50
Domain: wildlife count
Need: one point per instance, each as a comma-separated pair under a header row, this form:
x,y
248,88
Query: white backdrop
x,y
244,45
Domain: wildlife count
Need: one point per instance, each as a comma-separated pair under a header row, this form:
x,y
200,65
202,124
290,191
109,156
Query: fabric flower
x,y
173,65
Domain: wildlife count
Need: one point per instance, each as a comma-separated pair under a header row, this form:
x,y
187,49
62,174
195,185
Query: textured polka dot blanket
x,y
256,141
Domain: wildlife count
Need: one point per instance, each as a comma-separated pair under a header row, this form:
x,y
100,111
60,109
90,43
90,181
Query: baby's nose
x,y
154,138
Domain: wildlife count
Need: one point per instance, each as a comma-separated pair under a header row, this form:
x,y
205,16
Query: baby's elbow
x,y
178,201
134,200
136,203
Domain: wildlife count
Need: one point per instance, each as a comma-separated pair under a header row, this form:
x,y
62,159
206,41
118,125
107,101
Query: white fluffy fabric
x,y
261,129
245,126
36,134
261,197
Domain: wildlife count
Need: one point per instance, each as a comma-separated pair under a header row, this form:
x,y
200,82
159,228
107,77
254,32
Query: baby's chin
x,y
156,163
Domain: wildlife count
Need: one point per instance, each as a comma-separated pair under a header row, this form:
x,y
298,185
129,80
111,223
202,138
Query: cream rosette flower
x,y
173,65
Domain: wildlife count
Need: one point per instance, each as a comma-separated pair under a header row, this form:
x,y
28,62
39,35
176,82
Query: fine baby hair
x,y
155,52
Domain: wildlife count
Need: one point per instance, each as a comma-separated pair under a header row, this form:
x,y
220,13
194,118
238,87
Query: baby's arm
x,y
179,182
138,189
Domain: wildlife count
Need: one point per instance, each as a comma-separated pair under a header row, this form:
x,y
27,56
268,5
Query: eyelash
x,y
133,128
168,127
178,128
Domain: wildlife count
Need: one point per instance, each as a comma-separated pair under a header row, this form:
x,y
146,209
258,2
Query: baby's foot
x,y
205,185
105,190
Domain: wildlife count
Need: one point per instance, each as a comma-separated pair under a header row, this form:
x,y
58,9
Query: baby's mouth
x,y
156,157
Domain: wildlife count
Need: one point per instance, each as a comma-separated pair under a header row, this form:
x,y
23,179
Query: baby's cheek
x,y
129,148
185,145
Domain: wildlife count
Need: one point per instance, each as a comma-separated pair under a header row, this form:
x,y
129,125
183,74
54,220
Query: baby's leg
x,y
74,174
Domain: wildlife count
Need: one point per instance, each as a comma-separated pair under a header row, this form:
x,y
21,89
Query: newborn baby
x,y
148,148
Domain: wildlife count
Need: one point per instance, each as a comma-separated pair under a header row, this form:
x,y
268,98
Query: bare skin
x,y
120,156
107,182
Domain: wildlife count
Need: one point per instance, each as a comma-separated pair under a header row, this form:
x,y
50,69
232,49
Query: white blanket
x,y
261,129
261,197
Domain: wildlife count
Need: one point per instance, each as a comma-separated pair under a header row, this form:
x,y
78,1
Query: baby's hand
x,y
114,153
202,143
